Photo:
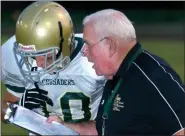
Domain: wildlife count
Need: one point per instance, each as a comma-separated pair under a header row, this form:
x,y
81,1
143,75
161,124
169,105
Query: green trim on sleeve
x,y
15,88
78,48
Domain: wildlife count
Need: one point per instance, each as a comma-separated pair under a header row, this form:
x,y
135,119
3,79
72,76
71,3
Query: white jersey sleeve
x,y
10,74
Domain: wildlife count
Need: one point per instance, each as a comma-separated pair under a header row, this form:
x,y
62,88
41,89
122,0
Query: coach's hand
x,y
35,98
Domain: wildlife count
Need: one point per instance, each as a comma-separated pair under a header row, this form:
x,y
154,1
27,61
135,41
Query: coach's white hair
x,y
110,22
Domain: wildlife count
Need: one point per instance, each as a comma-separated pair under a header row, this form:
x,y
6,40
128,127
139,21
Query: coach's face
x,y
96,51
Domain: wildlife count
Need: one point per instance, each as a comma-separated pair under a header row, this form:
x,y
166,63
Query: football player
x,y
43,67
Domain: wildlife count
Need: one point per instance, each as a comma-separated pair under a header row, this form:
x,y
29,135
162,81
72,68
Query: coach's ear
x,y
112,46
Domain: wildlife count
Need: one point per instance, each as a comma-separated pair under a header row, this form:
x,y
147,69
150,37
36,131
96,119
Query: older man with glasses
x,y
143,94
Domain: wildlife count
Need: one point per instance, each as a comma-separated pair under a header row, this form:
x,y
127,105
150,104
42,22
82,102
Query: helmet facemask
x,y
26,59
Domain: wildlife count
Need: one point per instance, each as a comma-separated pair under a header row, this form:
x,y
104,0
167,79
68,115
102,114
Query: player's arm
x,y
8,97
8,77
13,91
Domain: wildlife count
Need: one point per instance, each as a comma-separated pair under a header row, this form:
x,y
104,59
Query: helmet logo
x,y
27,47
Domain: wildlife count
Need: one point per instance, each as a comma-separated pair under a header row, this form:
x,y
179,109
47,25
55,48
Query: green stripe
x,y
109,102
78,48
15,88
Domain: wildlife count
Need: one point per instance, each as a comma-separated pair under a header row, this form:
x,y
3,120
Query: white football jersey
x,y
76,92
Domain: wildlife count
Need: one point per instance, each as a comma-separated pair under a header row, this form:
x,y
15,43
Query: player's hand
x,y
35,98
55,118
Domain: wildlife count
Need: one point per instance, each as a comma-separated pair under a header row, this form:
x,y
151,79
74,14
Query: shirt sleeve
x,y
168,101
10,74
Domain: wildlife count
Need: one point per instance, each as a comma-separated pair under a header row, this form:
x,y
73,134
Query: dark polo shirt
x,y
149,100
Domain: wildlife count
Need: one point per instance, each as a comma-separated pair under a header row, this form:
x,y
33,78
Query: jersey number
x,y
71,102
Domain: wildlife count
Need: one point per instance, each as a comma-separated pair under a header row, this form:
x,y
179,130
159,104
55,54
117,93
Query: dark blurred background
x,y
159,27
159,18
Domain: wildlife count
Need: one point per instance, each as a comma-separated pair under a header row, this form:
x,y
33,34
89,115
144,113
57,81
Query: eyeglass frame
x,y
92,45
